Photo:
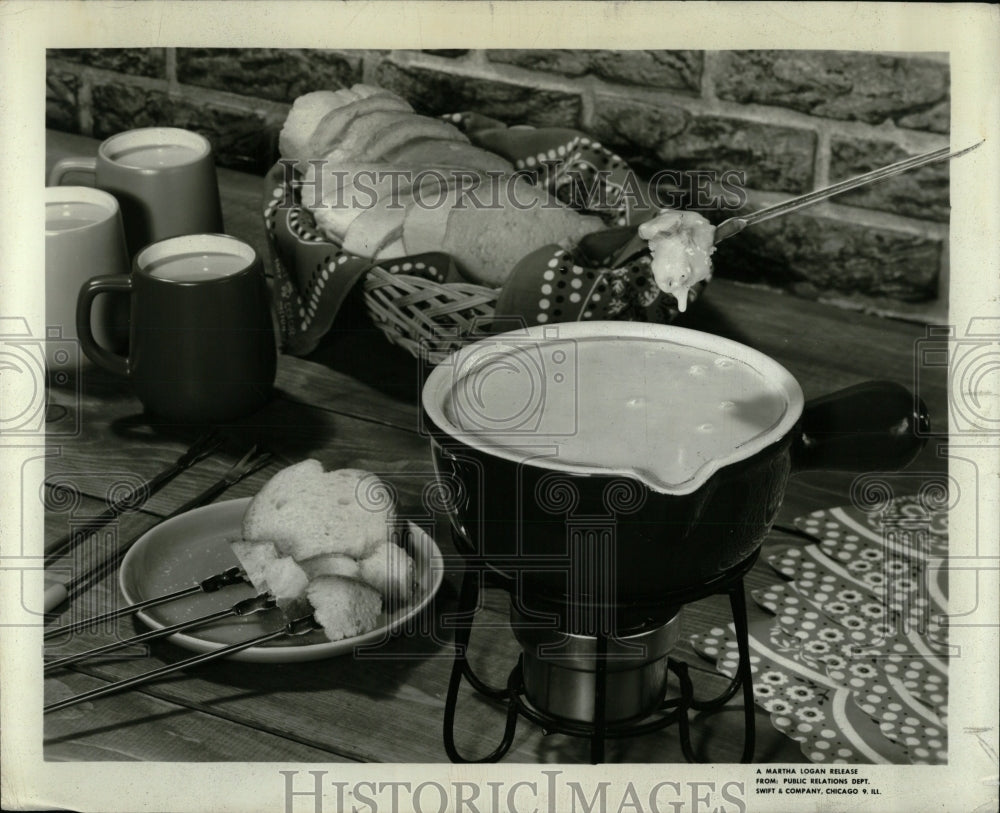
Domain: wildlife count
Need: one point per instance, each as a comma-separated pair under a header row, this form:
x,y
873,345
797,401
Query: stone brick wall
x,y
791,120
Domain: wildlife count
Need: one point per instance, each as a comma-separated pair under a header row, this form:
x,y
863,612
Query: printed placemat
x,y
854,663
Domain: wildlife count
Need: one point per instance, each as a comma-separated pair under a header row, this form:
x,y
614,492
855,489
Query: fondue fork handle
x,y
203,447
300,626
246,466
737,224
233,575
241,609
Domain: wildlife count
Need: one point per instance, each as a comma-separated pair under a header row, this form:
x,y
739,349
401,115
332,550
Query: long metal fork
x,y
241,609
234,575
300,626
735,225
203,447
247,465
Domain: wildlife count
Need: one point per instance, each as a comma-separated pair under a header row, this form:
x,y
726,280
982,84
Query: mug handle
x,y
75,163
90,290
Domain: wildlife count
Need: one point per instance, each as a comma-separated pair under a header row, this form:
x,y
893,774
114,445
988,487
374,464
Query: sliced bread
x,y
344,607
488,242
328,132
286,580
435,152
375,228
333,564
304,117
391,571
356,139
306,512
375,194
427,216
414,129
392,250
254,557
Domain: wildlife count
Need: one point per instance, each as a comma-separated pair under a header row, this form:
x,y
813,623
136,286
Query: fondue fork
x,y
241,609
298,626
234,575
203,447
247,465
735,225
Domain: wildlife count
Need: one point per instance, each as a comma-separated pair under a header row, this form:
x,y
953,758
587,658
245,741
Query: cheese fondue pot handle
x,y
874,426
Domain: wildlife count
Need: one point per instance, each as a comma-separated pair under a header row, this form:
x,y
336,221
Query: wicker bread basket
x,y
424,304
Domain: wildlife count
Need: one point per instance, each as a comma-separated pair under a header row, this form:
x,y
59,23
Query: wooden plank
x,y
117,444
149,729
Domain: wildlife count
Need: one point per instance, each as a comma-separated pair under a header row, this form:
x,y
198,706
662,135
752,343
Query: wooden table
x,y
354,404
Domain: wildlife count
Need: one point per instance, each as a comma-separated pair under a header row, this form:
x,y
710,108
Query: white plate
x,y
187,549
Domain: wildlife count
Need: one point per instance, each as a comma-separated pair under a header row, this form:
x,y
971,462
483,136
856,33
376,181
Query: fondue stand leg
x,y
467,602
744,678
600,695
737,600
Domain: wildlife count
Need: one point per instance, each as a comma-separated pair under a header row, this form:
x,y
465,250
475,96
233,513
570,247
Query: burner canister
x,y
560,669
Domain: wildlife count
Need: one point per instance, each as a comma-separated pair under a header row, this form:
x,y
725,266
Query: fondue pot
x,y
580,533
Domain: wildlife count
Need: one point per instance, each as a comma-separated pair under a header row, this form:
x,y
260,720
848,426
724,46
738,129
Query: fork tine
x,y
243,460
203,446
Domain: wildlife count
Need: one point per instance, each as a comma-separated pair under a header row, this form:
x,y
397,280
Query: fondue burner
x,y
595,674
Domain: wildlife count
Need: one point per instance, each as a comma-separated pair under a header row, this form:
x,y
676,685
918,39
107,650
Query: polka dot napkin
x,y
854,663
605,276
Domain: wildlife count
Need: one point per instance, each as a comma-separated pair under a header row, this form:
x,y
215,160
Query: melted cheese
x,y
681,244
665,412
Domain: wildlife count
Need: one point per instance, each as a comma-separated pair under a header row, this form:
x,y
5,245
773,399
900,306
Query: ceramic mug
x,y
164,180
201,343
83,237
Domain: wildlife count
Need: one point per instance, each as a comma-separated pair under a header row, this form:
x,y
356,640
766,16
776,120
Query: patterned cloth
x,y
605,276
854,664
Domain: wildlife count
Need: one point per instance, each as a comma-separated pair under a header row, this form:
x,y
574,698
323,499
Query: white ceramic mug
x,y
84,237
163,177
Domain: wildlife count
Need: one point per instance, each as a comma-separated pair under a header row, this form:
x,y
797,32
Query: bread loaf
x,y
323,539
304,117
487,227
327,134
438,153
306,512
488,242
390,570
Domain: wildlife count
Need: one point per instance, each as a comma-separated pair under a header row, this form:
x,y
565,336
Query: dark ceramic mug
x,y
201,343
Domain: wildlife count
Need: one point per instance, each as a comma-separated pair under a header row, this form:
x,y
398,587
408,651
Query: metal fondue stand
x,y
598,728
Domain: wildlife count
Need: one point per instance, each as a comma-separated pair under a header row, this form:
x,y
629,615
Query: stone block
x,y
920,193
434,92
120,105
817,254
149,62
674,70
267,73
61,88
657,137
852,86
242,137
